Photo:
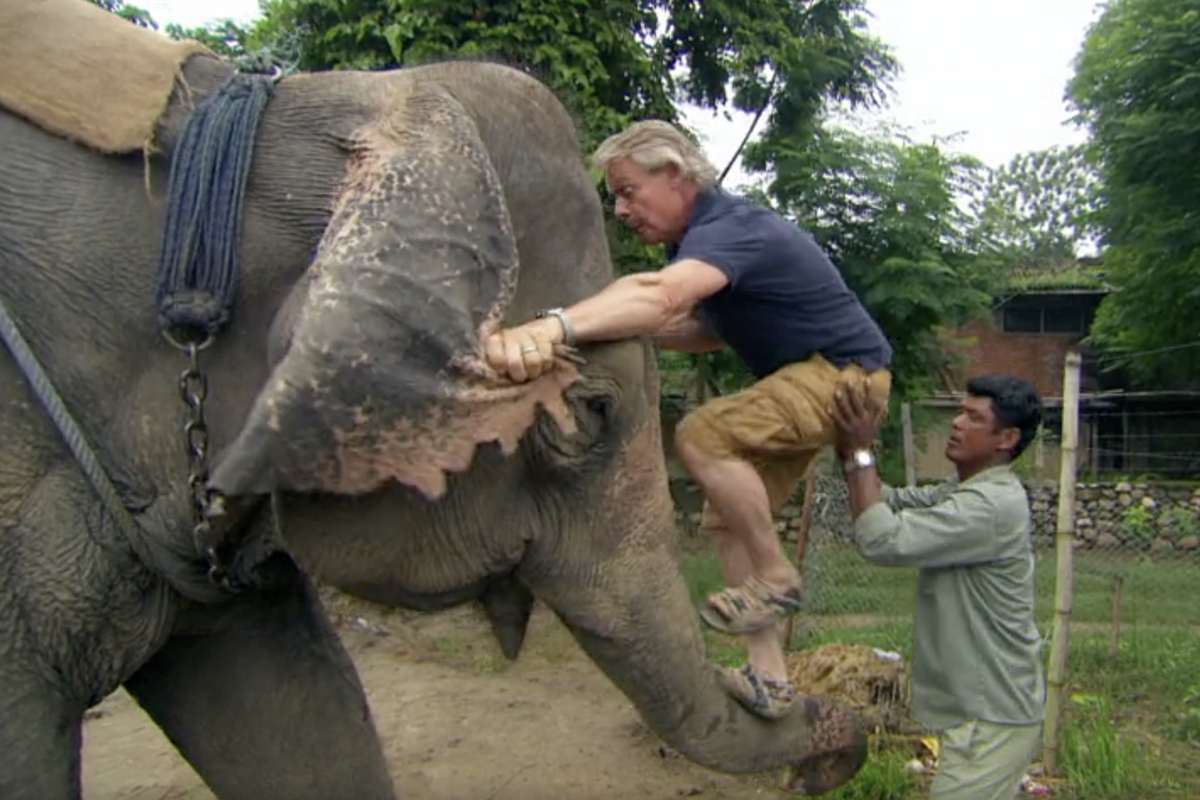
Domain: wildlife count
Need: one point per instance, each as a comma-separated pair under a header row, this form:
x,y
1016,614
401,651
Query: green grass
x,y
885,776
1098,759
841,582
1131,729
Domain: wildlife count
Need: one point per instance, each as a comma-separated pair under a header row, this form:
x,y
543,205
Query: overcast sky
x,y
992,70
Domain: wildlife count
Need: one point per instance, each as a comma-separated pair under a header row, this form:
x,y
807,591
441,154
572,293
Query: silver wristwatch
x,y
561,314
859,459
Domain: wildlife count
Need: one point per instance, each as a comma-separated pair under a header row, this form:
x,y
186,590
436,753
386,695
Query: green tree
x,y
594,54
1040,205
1136,88
793,59
618,60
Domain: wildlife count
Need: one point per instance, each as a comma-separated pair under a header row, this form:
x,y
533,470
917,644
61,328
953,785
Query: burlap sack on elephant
x,y
85,74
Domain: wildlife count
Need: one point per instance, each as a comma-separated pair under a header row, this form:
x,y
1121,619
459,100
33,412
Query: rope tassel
x,y
198,264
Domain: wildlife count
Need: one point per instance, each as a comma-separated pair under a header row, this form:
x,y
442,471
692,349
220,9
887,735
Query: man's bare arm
x,y
686,334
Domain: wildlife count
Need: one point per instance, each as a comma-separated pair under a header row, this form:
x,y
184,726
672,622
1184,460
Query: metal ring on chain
x,y
186,345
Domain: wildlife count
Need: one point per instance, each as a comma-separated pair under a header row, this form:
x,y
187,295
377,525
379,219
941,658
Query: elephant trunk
x,y
633,615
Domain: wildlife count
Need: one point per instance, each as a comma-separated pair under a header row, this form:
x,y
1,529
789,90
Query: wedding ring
x,y
529,349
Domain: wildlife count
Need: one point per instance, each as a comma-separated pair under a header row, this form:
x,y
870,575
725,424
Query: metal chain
x,y
193,388
207,505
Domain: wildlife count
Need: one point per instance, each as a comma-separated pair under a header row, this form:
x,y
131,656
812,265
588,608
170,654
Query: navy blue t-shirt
x,y
785,300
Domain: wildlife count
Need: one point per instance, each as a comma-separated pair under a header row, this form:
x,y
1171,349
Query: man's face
x,y
654,204
974,437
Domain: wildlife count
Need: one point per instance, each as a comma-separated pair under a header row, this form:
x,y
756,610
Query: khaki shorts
x,y
779,424
984,761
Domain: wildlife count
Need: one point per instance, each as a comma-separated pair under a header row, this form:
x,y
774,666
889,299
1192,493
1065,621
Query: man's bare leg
x,y
737,493
764,650
738,515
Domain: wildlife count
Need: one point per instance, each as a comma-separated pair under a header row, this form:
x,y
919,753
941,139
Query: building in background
x,y
1044,313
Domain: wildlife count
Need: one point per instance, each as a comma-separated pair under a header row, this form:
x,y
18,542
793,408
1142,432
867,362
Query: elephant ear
x,y
382,377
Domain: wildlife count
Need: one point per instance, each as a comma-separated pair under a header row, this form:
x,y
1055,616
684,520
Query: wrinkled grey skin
x,y
256,691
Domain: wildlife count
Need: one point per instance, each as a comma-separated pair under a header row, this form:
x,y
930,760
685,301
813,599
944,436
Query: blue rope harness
x,y
198,263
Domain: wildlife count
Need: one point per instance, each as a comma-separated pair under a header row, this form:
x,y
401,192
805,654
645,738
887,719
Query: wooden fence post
x,y
1114,644
810,494
1064,575
910,449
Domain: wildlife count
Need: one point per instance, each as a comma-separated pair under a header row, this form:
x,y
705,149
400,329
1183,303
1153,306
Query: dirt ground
x,y
547,726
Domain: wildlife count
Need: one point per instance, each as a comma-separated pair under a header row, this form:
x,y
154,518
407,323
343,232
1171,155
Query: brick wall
x,y
1035,357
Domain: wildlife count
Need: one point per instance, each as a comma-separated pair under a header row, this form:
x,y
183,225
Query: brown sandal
x,y
767,698
751,607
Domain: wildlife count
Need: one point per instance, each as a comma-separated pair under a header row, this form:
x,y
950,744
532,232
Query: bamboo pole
x,y
1114,644
1064,578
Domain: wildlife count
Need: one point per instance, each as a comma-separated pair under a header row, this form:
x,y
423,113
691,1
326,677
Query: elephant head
x,y
404,469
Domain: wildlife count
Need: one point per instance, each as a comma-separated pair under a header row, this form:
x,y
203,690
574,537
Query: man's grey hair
x,y
652,145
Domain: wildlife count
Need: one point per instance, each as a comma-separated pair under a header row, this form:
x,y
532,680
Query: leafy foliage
x,y
794,58
1040,205
619,60
1136,88
1037,216
596,55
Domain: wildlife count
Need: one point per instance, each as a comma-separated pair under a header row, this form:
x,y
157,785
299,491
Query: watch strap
x,y
561,315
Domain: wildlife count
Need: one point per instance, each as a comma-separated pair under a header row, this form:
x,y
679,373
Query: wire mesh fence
x,y
1136,558
1137,537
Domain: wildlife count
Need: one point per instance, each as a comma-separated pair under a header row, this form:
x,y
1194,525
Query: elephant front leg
x,y
40,740
263,701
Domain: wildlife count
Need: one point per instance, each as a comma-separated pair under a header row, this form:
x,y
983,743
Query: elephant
x,y
390,219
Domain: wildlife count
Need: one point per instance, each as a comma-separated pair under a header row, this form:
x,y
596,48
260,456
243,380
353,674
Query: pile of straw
x,y
876,686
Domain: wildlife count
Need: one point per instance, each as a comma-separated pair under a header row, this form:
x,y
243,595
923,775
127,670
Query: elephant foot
x,y
837,741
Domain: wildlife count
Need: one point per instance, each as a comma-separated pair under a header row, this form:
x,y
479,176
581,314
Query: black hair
x,y
1016,404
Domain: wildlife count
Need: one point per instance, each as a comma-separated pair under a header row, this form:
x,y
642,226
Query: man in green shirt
x,y
977,668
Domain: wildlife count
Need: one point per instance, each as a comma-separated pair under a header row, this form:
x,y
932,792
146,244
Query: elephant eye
x,y
601,406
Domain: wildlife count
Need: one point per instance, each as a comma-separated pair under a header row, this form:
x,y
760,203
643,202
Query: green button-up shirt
x,y
977,650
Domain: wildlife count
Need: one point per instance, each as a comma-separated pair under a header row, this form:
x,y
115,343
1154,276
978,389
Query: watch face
x,y
863,458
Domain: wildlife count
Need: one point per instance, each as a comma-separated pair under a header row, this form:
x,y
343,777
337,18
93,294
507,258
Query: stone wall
x,y
1159,518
